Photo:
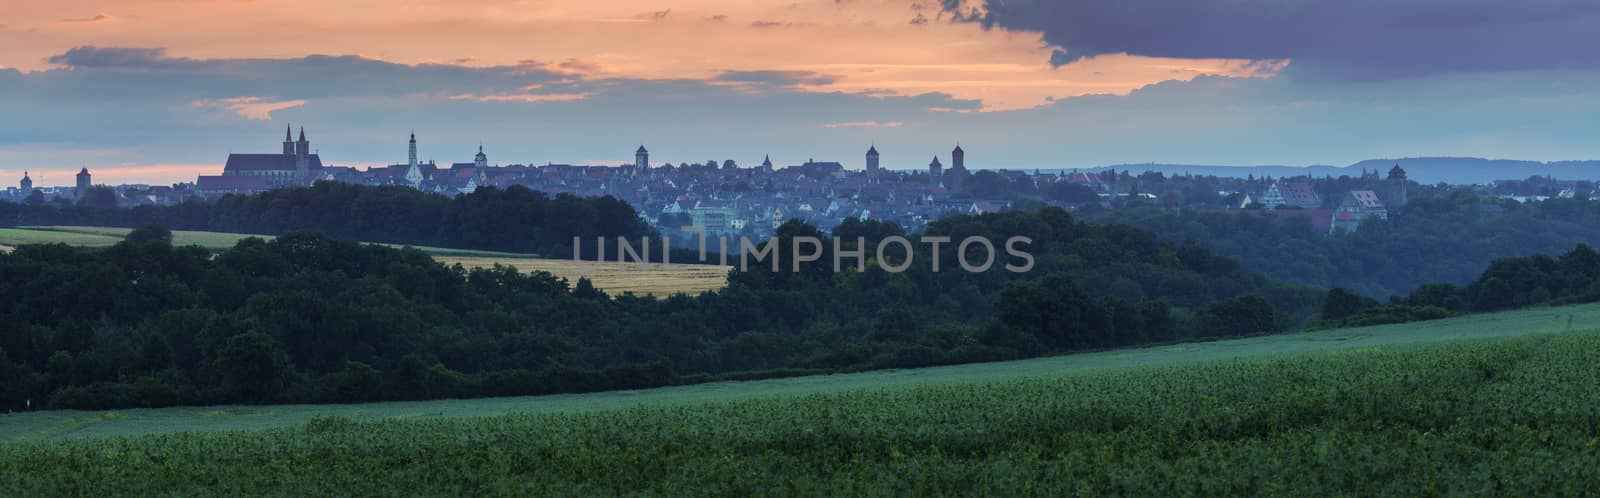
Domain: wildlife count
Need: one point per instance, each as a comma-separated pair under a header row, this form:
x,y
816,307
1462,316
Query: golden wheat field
x,y
612,277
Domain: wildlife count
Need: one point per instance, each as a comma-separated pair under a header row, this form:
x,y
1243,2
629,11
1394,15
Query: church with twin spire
x,y
296,165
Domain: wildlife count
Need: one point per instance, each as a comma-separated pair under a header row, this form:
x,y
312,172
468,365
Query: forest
x,y
515,219
1448,238
310,318
313,317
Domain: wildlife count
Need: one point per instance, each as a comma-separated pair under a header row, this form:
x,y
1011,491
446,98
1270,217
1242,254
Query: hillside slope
x,y
73,424
1500,416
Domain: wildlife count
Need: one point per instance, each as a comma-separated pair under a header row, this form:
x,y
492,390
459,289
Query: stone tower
x,y
872,159
1397,186
958,168
84,182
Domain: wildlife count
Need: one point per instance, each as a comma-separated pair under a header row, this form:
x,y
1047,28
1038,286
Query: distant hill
x,y
1458,170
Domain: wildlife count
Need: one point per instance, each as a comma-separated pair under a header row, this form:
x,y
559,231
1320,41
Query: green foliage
x,y
307,318
1395,313
1445,238
1341,303
1493,417
514,219
149,234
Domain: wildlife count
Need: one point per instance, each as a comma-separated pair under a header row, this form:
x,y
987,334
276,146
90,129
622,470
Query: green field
x,y
1502,404
612,277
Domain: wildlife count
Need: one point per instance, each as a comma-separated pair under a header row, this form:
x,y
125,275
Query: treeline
x,y
307,318
515,219
1449,238
1511,283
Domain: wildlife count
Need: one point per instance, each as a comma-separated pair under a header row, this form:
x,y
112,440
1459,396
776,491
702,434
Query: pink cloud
x,y
532,97
252,108
865,124
97,19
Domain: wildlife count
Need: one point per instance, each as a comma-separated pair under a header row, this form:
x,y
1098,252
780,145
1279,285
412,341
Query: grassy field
x,y
614,278
1500,405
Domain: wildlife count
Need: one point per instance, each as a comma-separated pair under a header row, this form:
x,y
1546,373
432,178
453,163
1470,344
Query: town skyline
x,y
899,161
156,91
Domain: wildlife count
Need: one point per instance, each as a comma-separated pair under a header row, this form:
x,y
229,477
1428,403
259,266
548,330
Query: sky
x,y
159,91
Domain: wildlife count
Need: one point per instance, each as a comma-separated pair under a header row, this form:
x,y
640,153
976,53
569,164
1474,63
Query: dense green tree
x,y
252,367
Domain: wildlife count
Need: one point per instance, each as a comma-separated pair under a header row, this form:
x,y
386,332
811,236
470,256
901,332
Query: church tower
x,y
412,156
302,147
872,160
302,157
413,170
641,159
288,140
480,161
935,171
27,184
766,164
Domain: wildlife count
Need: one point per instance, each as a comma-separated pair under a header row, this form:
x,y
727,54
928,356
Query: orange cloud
x,y
115,174
876,47
97,19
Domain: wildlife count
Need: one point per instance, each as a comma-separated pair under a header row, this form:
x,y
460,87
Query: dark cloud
x,y
767,24
776,78
91,57
134,72
176,109
1351,39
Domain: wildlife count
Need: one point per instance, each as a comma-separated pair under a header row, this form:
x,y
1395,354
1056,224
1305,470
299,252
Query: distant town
x,y
732,199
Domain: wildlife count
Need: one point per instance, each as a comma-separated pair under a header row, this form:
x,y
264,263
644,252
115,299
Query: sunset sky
x,y
159,91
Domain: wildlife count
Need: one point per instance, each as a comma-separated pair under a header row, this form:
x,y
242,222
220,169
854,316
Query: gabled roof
x,y
1366,199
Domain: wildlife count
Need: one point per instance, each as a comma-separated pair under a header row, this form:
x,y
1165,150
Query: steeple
x,y
302,148
411,157
872,159
288,140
